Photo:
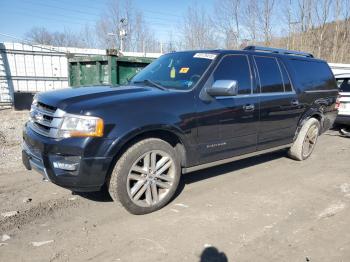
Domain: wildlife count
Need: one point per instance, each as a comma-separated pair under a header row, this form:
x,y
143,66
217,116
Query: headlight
x,y
35,100
81,126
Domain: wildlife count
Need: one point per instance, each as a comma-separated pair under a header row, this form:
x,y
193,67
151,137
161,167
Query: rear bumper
x,y
45,155
343,119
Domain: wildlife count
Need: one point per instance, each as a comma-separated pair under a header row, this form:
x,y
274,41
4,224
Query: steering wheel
x,y
193,79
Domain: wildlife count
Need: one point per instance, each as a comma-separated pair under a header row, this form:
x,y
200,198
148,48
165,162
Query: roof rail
x,y
277,51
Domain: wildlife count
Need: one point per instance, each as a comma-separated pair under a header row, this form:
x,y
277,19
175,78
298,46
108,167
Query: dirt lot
x,y
267,208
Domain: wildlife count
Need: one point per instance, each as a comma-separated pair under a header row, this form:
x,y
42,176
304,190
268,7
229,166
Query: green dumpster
x,y
104,70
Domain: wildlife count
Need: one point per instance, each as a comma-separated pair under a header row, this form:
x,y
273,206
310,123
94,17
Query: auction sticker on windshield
x,y
205,55
184,70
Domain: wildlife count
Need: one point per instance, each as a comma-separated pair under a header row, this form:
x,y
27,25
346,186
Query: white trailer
x,y
340,70
35,68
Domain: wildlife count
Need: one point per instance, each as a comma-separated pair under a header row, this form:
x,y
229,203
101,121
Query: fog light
x,y
65,166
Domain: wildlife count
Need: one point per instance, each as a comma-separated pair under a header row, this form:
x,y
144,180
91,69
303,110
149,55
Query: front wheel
x,y
305,143
146,176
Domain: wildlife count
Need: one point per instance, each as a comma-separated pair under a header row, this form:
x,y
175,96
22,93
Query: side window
x,y
269,74
344,85
312,74
286,79
235,67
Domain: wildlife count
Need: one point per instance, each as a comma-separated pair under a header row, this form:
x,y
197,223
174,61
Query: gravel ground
x,y
266,208
11,126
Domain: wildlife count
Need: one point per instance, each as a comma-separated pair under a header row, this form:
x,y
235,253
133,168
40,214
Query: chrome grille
x,y
45,119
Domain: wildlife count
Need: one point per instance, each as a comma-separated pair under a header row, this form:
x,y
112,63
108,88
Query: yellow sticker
x,y
184,70
172,72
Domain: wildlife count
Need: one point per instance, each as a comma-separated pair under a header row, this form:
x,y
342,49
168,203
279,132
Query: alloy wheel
x,y
310,140
151,178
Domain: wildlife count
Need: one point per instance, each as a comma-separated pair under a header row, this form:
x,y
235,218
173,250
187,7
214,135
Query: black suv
x,y
184,112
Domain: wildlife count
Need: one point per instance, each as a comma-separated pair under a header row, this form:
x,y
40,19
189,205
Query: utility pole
x,y
122,32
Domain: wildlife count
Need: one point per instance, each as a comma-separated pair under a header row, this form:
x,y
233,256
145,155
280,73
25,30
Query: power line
x,y
161,13
52,15
21,13
142,10
62,8
70,2
32,44
89,20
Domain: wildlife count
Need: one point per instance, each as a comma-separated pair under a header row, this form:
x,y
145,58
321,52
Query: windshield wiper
x,y
150,83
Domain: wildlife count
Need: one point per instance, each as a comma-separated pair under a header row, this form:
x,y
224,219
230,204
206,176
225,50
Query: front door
x,y
227,125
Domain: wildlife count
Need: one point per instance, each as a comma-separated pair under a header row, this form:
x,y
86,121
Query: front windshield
x,y
176,70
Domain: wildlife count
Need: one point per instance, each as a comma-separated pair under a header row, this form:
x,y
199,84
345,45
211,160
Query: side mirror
x,y
223,88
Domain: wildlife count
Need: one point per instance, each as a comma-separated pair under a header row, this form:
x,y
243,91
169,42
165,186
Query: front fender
x,y
120,142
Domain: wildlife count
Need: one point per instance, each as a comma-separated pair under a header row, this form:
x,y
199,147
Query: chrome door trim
x,y
258,95
321,91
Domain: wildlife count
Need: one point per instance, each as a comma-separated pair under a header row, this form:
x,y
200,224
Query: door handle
x,y
249,107
294,102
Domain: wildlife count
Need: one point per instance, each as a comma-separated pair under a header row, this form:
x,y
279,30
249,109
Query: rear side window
x,y
235,67
286,79
313,75
343,85
270,75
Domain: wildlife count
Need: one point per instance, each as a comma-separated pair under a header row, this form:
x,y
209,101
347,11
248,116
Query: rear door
x,y
279,105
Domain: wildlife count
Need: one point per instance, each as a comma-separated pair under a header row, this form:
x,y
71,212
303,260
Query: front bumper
x,y
87,155
343,119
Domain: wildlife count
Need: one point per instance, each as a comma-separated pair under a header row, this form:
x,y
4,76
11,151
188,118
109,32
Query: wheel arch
x,y
170,135
305,117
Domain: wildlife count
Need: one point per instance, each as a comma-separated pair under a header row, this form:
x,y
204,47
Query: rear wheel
x,y
305,143
146,176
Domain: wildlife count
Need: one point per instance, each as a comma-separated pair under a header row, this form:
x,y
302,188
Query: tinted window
x,y
269,74
314,75
235,67
344,85
286,79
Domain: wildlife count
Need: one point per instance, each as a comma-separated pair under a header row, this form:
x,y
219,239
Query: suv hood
x,y
89,97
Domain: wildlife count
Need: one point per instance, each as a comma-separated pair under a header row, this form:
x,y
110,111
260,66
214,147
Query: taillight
x,y
337,103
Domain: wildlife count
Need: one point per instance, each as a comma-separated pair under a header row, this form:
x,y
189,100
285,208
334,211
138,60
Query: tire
x,y
305,143
137,181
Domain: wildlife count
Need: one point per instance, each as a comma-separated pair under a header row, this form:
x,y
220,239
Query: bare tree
x,y
337,13
321,27
266,20
88,36
198,29
287,12
39,35
227,20
251,13
343,54
303,22
322,14
139,36
66,38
